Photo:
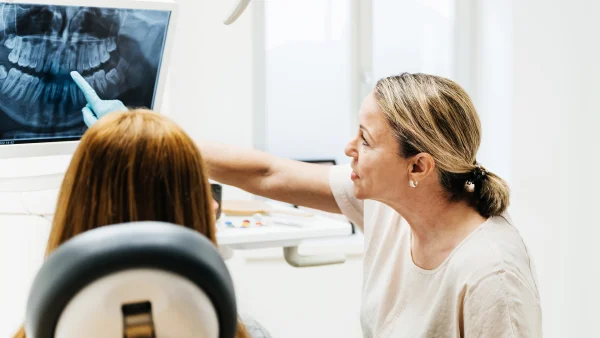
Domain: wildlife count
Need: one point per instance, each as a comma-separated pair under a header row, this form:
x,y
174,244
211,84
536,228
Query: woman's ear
x,y
421,166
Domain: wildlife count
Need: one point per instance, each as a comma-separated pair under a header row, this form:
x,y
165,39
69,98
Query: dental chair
x,y
142,279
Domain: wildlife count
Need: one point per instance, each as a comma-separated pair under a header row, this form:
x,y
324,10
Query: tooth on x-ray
x,y
113,49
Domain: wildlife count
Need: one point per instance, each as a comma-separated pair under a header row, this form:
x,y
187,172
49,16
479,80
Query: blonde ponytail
x,y
493,196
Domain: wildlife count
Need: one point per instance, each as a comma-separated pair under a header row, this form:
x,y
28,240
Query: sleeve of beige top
x,y
343,192
500,305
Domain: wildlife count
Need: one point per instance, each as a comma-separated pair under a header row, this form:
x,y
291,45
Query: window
x,y
307,64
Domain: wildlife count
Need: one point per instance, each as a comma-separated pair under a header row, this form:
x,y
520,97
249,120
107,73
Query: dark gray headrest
x,y
102,251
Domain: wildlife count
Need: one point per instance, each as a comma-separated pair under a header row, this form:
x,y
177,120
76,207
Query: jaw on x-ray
x,y
118,51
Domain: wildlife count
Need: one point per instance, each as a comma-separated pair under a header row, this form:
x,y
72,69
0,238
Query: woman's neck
x,y
437,227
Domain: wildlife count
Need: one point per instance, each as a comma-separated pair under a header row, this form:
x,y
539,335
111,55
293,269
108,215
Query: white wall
x,y
555,156
210,84
22,244
413,36
489,39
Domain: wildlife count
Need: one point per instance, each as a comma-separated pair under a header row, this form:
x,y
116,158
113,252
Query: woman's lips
x,y
354,176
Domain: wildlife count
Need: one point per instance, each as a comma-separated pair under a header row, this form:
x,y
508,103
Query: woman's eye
x,y
365,143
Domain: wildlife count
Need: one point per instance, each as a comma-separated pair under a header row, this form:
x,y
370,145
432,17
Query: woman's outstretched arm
x,y
263,174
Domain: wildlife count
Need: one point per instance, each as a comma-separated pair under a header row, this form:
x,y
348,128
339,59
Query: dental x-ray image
x,y
118,51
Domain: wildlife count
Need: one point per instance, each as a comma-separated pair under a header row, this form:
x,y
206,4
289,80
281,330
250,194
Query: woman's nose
x,y
350,149
215,205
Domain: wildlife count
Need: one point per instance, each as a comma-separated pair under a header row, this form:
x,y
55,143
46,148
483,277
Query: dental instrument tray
x,y
249,208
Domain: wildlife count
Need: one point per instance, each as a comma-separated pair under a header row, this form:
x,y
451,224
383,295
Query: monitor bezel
x,y
36,149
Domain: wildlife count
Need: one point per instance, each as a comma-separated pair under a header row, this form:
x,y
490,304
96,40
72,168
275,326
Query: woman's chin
x,y
359,192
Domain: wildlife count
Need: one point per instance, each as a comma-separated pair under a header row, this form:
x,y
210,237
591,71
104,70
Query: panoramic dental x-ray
x,y
118,51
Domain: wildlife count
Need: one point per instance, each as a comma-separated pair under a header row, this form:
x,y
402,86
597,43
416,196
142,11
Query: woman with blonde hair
x,y
134,166
442,257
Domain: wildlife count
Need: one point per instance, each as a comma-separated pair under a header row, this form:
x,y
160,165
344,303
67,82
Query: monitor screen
x,y
118,51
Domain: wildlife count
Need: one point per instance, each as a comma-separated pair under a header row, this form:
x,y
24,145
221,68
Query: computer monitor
x,y
121,47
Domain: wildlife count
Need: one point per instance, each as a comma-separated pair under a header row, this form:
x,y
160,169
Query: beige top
x,y
485,288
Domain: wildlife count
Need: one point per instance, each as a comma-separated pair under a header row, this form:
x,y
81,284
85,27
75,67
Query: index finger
x,y
89,92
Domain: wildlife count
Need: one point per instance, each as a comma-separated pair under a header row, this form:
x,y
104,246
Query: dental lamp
x,y
237,11
141,279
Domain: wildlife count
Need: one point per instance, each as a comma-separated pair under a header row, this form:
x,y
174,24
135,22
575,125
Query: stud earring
x,y
413,184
